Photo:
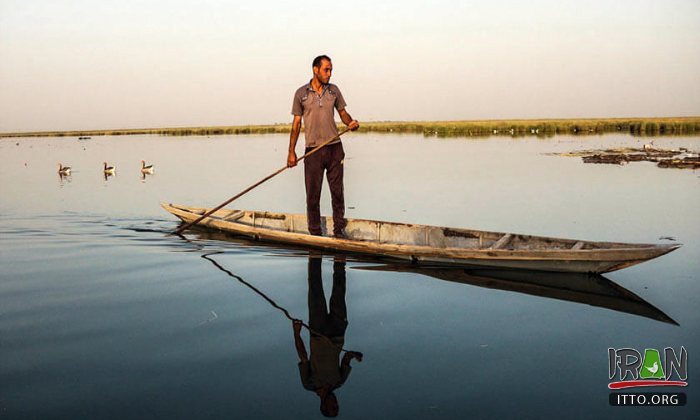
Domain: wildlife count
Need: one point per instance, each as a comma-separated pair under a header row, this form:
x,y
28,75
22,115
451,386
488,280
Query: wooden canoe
x,y
432,244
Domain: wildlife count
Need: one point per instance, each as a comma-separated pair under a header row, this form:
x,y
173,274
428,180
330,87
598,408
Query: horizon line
x,y
371,122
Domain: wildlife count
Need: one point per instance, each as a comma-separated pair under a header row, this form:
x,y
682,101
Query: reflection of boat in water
x,y
432,244
591,289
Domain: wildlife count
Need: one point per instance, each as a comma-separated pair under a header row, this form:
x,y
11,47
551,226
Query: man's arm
x,y
293,137
347,120
298,342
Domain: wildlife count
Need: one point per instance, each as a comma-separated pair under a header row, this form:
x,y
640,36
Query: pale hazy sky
x,y
72,64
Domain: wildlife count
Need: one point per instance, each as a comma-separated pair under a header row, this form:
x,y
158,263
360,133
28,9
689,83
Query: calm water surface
x,y
103,315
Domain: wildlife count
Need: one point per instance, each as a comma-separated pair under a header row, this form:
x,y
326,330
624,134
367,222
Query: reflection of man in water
x,y
321,373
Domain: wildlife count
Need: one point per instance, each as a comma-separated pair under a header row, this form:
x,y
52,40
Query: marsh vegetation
x,y
679,126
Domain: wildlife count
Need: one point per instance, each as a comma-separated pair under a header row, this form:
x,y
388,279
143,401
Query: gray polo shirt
x,y
317,112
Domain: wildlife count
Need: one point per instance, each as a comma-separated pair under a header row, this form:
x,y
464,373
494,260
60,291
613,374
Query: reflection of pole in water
x,y
270,301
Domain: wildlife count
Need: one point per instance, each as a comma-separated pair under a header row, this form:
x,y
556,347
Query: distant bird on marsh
x,y
146,169
63,170
109,170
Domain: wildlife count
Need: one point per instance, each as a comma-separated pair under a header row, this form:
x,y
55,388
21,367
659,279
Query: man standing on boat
x,y
315,103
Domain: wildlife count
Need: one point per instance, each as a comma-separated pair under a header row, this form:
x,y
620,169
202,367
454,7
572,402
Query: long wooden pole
x,y
205,215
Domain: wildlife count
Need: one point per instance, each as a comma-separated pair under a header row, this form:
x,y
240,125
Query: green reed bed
x,y
175,131
543,128
680,126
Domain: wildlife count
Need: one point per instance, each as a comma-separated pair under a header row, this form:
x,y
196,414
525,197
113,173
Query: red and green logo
x,y
634,370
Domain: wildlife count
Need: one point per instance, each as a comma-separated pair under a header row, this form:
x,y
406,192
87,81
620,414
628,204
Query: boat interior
x,y
406,234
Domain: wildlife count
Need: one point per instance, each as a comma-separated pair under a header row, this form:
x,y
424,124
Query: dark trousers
x,y
331,320
328,159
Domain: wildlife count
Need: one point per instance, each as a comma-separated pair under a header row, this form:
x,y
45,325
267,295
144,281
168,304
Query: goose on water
x,y
146,169
110,170
63,170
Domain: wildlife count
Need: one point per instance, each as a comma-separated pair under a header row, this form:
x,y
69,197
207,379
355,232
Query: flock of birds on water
x,y
108,170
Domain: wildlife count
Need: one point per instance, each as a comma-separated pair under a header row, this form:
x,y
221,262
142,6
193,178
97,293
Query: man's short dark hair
x,y
317,60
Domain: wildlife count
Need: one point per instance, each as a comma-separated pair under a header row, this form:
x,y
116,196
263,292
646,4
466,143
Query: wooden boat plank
x,y
578,246
502,242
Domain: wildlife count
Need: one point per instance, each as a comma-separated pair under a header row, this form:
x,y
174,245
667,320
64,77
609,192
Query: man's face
x,y
323,73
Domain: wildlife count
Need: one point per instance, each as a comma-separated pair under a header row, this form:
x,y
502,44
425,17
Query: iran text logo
x,y
634,371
